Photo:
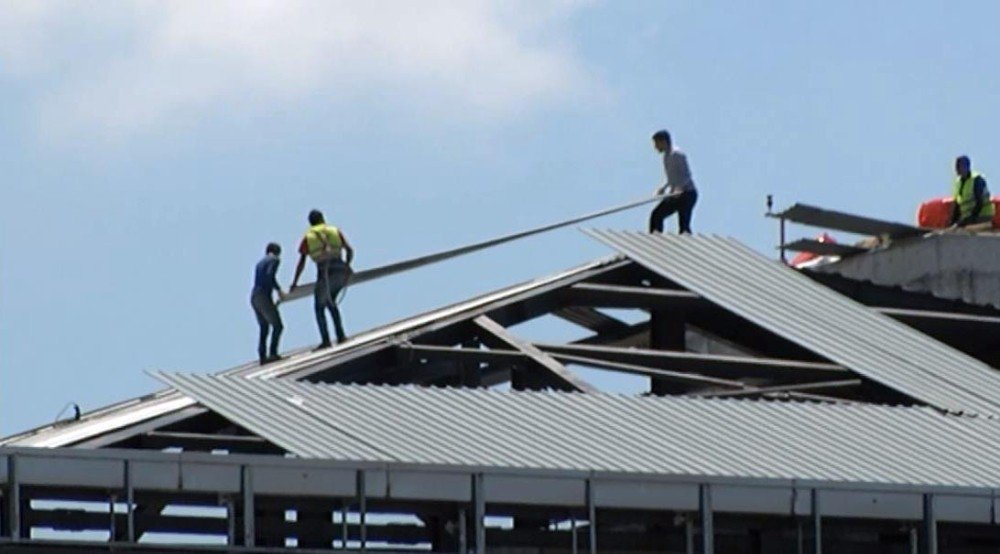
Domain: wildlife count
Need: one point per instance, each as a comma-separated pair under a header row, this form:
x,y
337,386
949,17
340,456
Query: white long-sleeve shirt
x,y
675,165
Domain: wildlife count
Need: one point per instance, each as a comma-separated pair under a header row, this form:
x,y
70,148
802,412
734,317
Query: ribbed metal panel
x,y
817,318
601,432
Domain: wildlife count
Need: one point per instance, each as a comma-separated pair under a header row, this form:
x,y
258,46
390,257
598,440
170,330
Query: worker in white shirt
x,y
681,192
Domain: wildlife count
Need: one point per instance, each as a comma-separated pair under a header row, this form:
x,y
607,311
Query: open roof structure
x,y
810,392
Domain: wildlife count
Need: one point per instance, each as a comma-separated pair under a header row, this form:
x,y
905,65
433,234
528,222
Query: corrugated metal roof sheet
x,y
601,432
795,307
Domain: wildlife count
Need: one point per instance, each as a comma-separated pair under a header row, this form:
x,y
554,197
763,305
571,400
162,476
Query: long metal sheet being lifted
x,y
842,221
421,261
815,317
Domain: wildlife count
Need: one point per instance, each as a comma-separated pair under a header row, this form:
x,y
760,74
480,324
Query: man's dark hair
x,y
316,217
273,248
662,135
964,160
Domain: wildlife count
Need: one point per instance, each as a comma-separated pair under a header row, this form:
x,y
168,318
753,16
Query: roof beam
x,y
592,319
823,248
446,353
726,367
755,391
497,334
205,442
689,378
623,296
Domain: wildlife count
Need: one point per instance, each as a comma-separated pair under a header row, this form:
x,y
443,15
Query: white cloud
x,y
124,69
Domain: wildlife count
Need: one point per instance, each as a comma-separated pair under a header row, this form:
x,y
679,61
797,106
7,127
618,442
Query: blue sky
x,y
150,150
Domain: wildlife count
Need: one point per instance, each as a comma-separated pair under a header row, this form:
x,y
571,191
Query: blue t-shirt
x,y
264,274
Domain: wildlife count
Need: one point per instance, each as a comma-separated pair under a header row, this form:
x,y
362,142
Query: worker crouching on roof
x,y
324,244
265,283
680,189
973,204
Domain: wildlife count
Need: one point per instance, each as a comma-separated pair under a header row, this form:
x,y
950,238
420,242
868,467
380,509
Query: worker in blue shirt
x,y
262,301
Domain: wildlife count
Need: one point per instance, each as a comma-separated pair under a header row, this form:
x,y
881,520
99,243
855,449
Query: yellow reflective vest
x,y
323,242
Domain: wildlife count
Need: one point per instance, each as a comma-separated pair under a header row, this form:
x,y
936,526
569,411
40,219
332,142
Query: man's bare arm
x,y
298,272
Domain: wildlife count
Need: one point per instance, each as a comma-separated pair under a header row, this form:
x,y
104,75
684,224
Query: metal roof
x,y
137,410
842,221
612,433
793,306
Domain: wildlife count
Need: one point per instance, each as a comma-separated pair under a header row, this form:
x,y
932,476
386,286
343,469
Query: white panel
x,y
71,471
645,495
304,481
535,490
759,500
456,487
883,505
974,509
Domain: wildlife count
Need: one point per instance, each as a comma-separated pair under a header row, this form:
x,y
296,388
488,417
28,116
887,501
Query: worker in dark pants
x,y
973,204
265,283
680,189
325,245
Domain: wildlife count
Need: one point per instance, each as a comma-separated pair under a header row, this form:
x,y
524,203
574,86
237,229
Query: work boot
x,y
274,358
323,345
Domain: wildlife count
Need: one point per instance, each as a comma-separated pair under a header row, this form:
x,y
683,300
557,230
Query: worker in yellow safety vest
x,y
973,204
325,244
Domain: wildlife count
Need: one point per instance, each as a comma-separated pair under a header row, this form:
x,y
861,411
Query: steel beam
x,y
622,296
497,334
731,367
592,319
206,442
688,378
755,391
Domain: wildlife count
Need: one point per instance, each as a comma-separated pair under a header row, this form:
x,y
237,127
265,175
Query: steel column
x,y
362,509
930,526
230,521
13,500
112,527
591,517
817,522
575,543
689,534
479,512
707,525
249,513
130,503
463,532
344,529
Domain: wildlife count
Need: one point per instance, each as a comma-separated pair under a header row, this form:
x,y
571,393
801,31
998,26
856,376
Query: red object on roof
x,y
803,257
936,213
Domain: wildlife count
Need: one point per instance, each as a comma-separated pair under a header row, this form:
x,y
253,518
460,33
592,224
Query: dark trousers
x,y
269,320
683,204
330,279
